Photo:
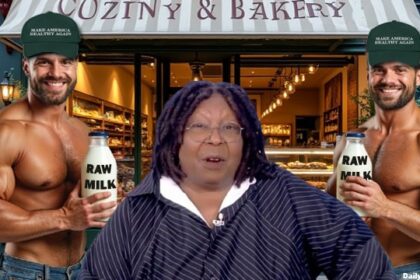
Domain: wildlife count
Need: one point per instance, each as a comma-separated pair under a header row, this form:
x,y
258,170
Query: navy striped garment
x,y
280,228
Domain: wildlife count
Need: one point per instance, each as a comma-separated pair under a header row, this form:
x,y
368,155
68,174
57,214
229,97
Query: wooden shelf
x,y
312,172
87,117
118,121
277,135
332,124
97,117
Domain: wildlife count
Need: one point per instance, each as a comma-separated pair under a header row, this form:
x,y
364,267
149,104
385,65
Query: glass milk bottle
x,y
337,145
99,169
353,161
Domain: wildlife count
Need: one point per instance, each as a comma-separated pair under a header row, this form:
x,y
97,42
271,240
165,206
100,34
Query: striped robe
x,y
281,228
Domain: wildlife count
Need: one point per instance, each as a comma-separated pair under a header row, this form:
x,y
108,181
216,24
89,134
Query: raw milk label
x,y
354,161
98,182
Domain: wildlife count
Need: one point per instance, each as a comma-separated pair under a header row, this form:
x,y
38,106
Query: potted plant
x,y
366,106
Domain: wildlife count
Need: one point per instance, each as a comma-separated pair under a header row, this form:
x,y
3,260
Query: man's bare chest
x,y
396,163
48,160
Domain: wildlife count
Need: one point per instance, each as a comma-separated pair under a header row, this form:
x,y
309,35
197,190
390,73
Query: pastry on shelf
x,y
115,142
316,165
296,165
318,184
282,165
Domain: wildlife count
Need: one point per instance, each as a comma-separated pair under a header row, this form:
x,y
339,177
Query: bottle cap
x,y
99,133
355,134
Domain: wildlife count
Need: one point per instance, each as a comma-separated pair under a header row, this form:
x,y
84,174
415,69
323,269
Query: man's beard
x,y
51,98
405,97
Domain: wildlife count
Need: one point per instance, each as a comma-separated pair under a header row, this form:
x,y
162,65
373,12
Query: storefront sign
x,y
207,9
339,18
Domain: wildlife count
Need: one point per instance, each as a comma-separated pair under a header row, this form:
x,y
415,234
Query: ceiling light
x,y
296,79
312,68
196,69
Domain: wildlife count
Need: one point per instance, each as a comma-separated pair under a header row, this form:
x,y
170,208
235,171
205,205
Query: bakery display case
x,y
277,135
314,165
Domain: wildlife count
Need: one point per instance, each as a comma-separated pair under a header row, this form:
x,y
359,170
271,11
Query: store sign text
x,y
258,10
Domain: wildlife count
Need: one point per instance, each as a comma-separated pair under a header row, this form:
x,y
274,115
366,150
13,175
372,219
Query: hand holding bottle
x,y
353,161
99,169
366,195
82,213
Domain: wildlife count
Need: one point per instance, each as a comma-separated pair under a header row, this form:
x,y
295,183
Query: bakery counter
x,y
314,165
311,172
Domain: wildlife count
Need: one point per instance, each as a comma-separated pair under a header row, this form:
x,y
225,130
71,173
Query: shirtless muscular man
x,y
392,198
42,217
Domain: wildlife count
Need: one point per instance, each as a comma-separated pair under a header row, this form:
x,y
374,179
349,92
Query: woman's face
x,y
211,149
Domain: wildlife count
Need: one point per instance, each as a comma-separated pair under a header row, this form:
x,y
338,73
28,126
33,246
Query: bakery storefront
x,y
302,63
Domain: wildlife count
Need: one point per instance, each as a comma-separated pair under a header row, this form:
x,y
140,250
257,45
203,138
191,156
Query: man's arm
x,y
369,196
18,224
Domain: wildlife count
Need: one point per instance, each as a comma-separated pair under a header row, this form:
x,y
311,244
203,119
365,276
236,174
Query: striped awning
x,y
217,18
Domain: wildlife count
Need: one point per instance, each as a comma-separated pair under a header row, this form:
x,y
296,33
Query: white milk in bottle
x,y
354,161
99,169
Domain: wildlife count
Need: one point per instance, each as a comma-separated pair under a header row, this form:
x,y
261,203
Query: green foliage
x,y
366,106
20,89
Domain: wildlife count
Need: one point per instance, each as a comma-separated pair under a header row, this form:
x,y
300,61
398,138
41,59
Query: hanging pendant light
x,y
196,69
290,87
296,77
312,68
302,77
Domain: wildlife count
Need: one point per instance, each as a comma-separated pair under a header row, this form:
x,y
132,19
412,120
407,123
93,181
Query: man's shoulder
x,y
13,126
15,131
12,139
16,111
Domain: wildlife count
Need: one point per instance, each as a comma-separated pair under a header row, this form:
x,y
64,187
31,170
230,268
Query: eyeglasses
x,y
199,132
